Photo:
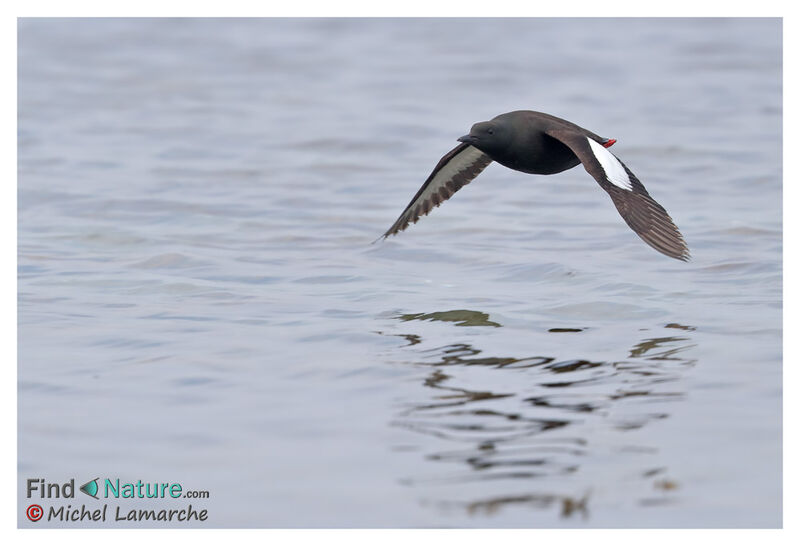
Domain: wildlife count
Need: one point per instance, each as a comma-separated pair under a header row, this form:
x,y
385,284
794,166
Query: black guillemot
x,y
538,143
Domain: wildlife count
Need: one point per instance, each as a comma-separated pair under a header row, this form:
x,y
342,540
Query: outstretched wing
x,y
455,170
640,211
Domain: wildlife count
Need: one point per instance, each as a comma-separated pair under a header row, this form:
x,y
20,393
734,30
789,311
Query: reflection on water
x,y
461,317
569,505
534,427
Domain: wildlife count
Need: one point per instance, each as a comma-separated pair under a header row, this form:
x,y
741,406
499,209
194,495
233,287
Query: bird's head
x,y
487,136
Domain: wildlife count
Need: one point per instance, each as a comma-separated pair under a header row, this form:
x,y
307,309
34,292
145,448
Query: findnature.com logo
x,y
108,490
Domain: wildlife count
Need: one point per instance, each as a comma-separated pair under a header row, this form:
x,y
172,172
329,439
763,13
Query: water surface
x,y
200,301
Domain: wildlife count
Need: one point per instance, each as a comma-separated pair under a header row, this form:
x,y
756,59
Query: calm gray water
x,y
200,301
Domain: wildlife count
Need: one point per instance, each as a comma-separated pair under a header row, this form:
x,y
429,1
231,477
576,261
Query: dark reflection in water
x,y
462,317
531,423
569,506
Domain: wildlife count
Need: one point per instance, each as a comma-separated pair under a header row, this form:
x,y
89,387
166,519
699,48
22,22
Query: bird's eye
x,y
490,131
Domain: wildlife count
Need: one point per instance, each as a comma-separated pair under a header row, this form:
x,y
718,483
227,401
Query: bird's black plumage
x,y
538,143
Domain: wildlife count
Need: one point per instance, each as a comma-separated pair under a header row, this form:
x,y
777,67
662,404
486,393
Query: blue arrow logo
x,y
90,488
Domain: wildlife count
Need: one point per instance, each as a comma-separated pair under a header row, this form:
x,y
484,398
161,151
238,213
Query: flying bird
x,y
538,143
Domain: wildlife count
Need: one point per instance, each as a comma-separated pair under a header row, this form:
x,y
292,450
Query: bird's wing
x,y
640,211
455,170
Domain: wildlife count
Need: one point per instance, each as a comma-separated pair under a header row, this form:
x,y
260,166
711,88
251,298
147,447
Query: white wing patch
x,y
615,172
